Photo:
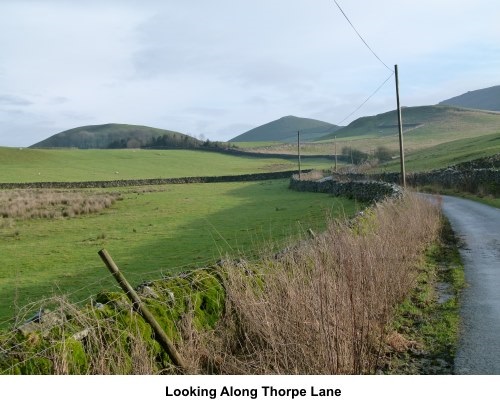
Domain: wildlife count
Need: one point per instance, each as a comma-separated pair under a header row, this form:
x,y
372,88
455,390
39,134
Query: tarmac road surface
x,y
478,226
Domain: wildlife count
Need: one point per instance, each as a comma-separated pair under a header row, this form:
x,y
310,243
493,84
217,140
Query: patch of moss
x,y
74,356
198,293
118,331
36,366
31,355
208,299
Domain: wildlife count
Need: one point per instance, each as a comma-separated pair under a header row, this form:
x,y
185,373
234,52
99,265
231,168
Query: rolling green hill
x,y
483,99
285,130
444,122
117,136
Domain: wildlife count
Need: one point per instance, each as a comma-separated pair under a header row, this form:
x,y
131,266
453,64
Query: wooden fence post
x,y
160,335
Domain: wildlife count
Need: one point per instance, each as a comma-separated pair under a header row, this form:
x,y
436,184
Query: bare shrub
x,y
324,307
312,175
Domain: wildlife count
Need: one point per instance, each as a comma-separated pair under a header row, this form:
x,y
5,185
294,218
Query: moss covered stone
x,y
111,326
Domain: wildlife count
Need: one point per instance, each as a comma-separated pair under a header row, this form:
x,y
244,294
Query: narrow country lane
x,y
478,226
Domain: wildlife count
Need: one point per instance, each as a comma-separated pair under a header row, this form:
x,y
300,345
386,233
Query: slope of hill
x,y
109,136
285,130
449,153
483,99
446,122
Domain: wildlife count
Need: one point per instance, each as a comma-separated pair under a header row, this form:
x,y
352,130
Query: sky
x,y
215,69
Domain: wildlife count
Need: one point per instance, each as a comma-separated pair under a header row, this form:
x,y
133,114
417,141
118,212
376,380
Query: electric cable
x,y
359,35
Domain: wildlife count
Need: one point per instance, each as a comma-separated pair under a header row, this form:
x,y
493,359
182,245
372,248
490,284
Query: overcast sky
x,y
222,67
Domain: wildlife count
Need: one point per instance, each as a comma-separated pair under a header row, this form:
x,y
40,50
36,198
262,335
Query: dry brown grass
x,y
312,175
324,307
40,203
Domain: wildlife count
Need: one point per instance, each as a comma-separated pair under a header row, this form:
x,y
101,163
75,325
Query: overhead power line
x,y
367,99
359,35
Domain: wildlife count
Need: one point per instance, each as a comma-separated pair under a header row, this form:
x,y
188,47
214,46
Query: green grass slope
x,y
29,165
116,136
449,153
483,99
285,129
445,122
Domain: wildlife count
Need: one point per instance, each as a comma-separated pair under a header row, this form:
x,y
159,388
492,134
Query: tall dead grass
x,y
40,203
324,307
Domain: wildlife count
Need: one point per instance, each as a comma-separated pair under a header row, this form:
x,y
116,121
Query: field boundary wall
x,y
151,182
362,190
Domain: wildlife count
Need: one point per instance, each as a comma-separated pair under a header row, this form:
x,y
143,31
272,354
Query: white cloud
x,y
213,67
10,100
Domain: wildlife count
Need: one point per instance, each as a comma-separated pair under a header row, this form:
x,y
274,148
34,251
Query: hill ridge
x,y
112,135
422,120
483,99
285,129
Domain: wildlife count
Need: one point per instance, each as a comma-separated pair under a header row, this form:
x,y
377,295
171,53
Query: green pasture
x,y
449,153
414,142
153,231
29,165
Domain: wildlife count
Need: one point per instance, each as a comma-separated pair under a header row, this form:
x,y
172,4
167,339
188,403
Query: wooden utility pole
x,y
298,149
335,147
400,126
160,335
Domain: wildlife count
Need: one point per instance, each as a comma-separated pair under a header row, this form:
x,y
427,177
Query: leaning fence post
x,y
160,335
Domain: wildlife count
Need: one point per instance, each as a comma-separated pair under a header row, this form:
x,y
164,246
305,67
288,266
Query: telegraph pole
x,y
298,149
335,146
400,126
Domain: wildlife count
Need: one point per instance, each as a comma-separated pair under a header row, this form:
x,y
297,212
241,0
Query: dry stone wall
x,y
481,175
149,182
362,190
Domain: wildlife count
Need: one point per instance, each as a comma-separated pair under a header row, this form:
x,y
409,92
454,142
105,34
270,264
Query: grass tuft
x,y
40,203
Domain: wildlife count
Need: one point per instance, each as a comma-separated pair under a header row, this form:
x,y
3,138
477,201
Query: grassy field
x,y
26,165
413,142
449,153
306,148
151,230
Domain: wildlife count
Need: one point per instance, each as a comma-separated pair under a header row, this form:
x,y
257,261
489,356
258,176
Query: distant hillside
x,y
285,130
449,153
484,99
111,136
440,120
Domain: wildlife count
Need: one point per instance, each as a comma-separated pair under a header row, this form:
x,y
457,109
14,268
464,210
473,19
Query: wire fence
x,y
68,310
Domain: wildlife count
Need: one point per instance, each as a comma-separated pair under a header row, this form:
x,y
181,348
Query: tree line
x,y
356,156
167,141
